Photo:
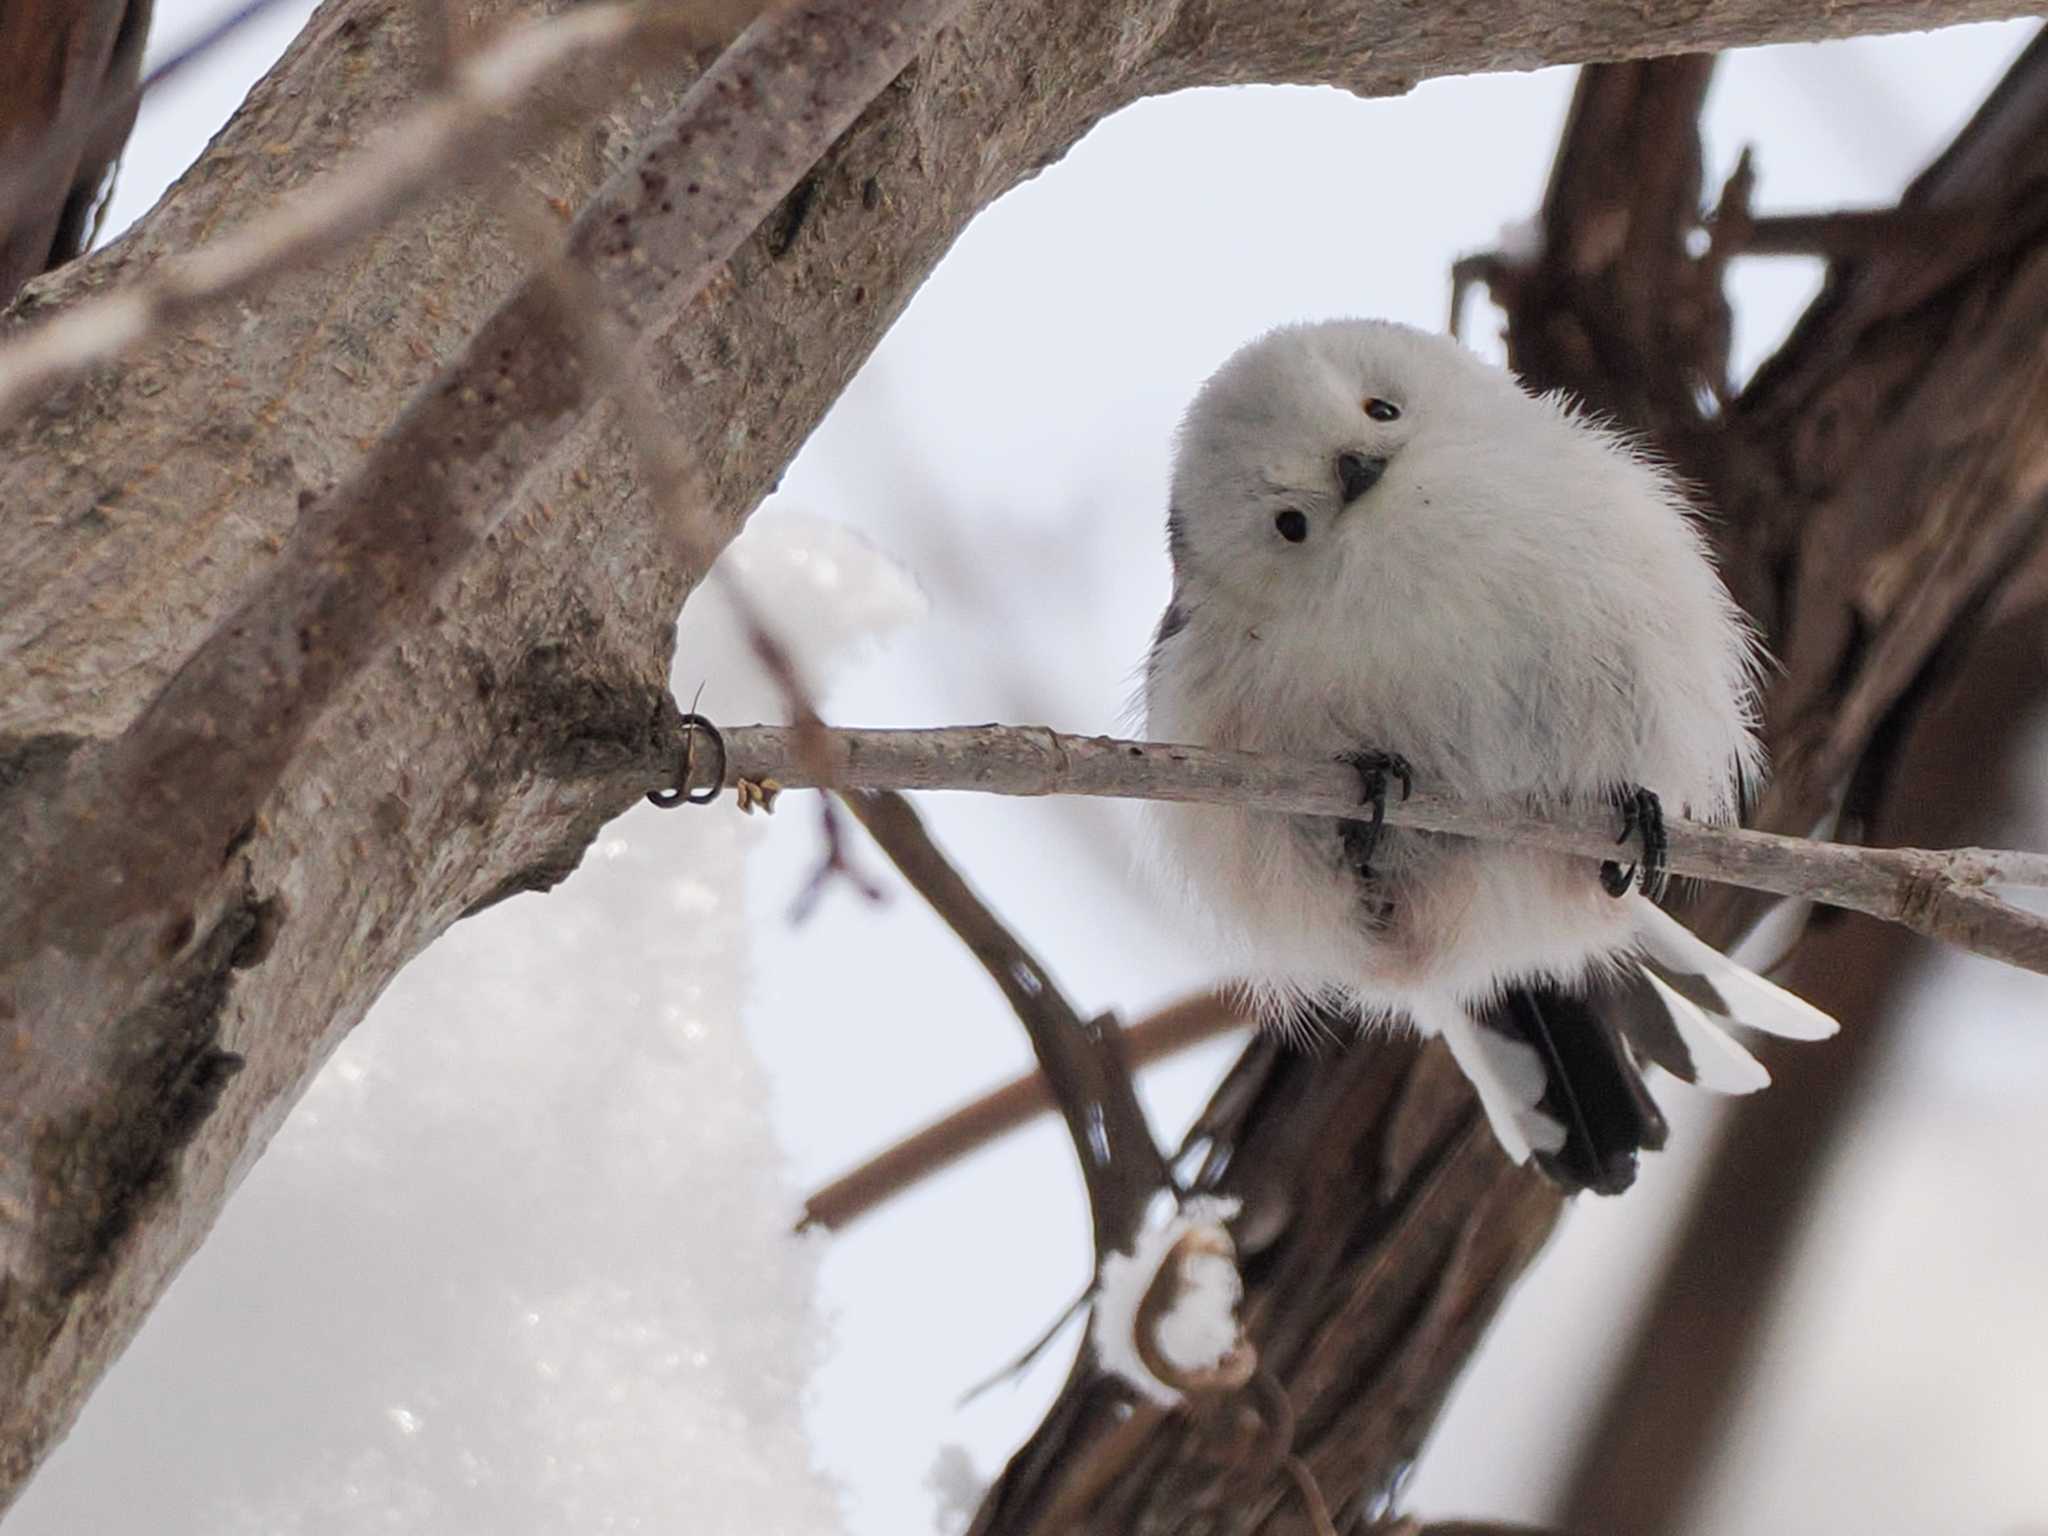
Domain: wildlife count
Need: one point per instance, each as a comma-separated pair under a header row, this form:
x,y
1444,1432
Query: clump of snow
x,y
828,593
1197,1330
1200,1328
958,1488
519,1261
1520,242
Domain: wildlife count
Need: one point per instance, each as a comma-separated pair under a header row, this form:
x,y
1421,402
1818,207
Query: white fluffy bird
x,y
1386,550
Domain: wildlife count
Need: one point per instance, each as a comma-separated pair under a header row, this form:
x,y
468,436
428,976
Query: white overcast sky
x,y
517,1264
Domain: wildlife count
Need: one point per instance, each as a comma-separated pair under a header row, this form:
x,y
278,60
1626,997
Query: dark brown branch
x,y
70,68
1850,234
1616,307
1002,1110
1081,1059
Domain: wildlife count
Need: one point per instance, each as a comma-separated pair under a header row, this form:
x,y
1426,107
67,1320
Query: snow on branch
x,y
1943,894
1165,1317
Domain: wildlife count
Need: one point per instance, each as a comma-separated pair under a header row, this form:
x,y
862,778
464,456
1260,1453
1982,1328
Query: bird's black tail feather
x,y
1593,1086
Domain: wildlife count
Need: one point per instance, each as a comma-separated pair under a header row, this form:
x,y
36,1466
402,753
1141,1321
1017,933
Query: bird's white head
x,y
1319,451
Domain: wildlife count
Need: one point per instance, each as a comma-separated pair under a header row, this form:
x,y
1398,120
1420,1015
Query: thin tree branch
x,y
888,1174
1848,233
1081,1058
1939,893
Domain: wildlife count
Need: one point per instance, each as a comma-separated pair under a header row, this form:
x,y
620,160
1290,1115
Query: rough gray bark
x,y
455,766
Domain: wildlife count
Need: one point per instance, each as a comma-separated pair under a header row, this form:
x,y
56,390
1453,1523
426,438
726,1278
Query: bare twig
x,y
1029,1355
1311,1495
944,1142
1847,233
1487,269
1120,1162
1941,894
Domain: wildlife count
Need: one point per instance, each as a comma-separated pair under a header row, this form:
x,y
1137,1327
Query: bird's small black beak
x,y
1358,473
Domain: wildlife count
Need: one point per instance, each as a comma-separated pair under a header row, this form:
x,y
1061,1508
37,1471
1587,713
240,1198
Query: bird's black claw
x,y
1375,770
1642,816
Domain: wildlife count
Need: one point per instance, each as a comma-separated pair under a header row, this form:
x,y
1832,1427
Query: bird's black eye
x,y
1292,525
1382,410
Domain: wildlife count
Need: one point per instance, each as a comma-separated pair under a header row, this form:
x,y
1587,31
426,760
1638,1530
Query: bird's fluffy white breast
x,y
1523,638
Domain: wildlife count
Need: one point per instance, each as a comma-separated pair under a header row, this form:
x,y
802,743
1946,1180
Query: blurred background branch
x,y
1081,1060
1174,1028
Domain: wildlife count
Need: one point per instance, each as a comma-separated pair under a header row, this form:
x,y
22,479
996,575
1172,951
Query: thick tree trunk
x,y
461,762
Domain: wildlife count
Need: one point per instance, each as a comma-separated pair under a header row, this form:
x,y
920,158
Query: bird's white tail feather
x,y
1719,1063
1508,1076
1672,951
